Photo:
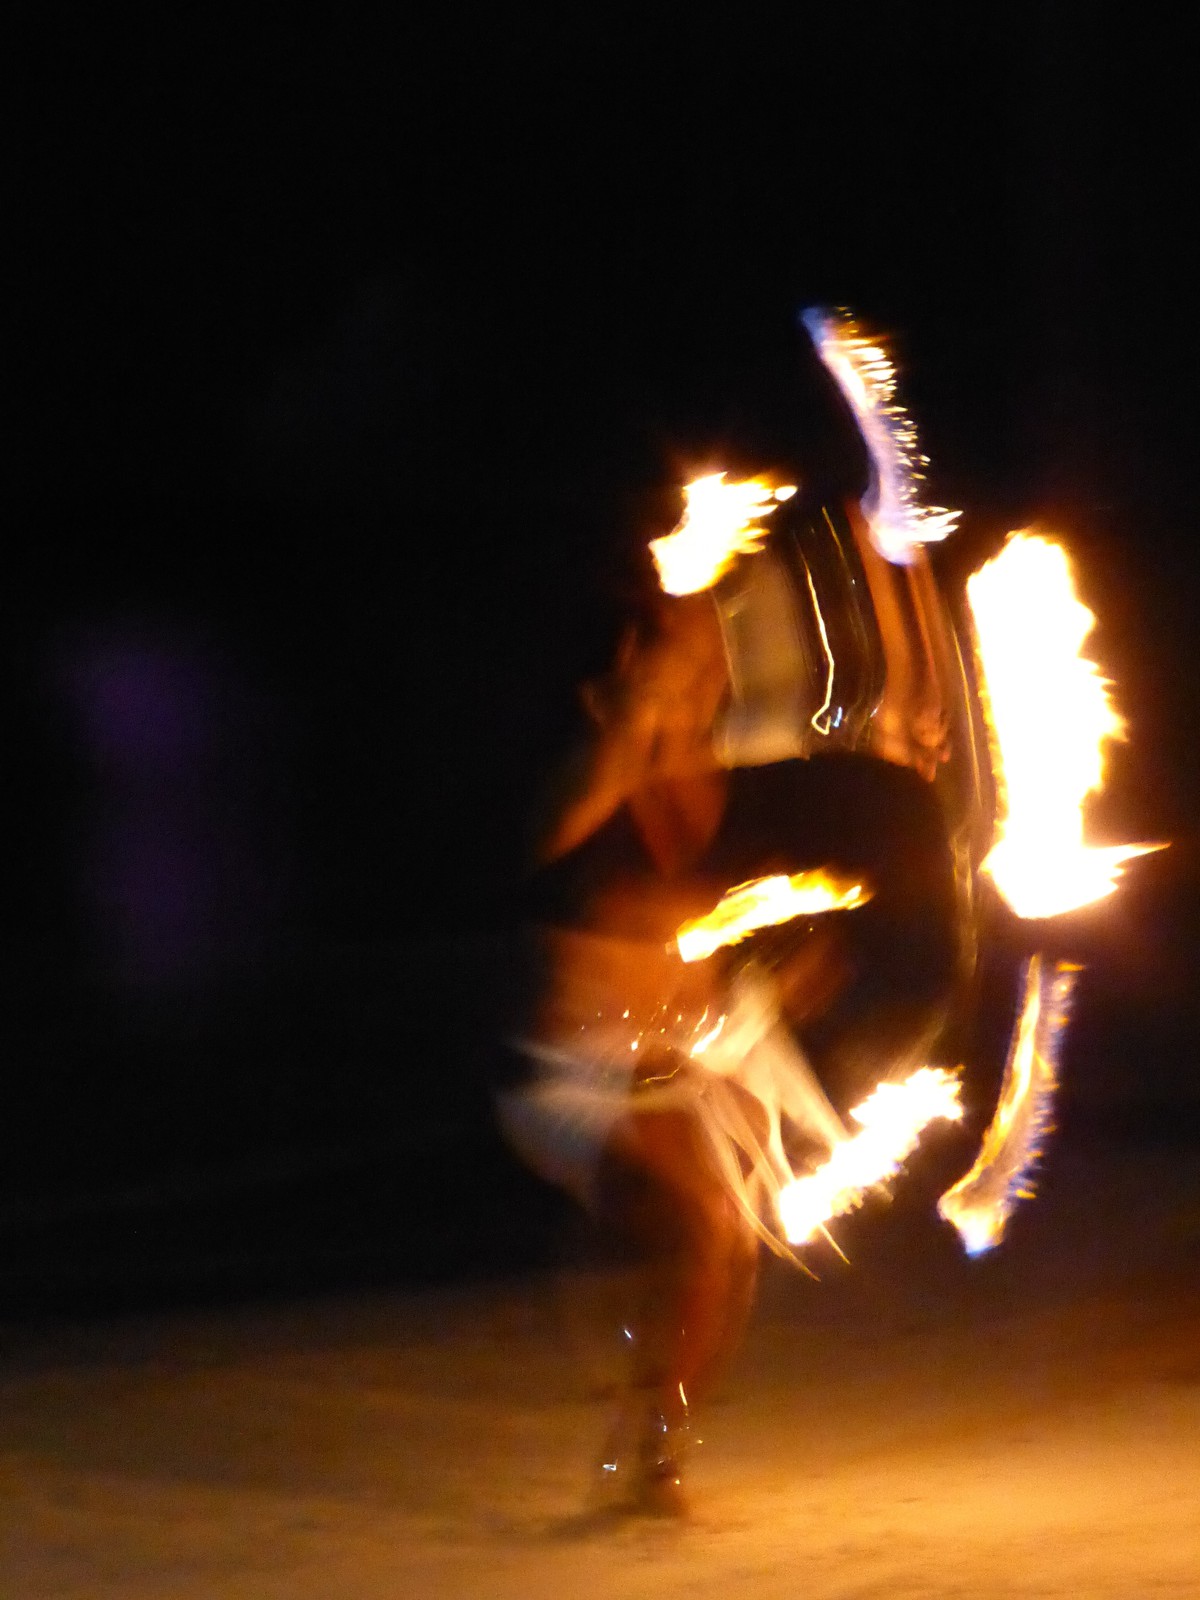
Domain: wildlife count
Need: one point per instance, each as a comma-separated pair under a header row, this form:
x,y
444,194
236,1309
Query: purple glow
x,y
174,883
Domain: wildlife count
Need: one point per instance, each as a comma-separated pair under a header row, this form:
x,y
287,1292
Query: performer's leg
x,y
664,1194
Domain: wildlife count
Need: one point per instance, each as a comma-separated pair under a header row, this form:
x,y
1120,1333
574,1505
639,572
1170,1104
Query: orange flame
x,y
720,522
1050,716
765,903
892,1120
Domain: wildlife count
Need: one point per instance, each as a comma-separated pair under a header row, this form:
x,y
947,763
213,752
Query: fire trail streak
x,y
980,1204
863,371
765,903
720,522
1050,716
892,1120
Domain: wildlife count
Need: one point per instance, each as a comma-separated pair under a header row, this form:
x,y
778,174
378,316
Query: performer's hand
x,y
652,718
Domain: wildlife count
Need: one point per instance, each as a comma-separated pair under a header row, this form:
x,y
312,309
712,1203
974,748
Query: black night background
x,y
347,361
350,361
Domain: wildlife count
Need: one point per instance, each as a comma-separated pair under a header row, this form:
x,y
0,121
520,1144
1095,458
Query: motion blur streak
x,y
980,1204
765,903
892,1120
720,522
863,371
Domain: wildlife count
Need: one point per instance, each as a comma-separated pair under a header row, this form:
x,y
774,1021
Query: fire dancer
x,y
785,624
786,627
660,1084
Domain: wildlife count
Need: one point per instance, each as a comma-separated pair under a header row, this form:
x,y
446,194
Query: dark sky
x,y
347,355
501,237
327,329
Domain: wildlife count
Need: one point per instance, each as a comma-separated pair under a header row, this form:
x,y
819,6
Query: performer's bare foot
x,y
660,1492
640,1470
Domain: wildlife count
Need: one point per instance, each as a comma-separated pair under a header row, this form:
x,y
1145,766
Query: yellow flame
x,y
720,522
1050,716
764,903
892,1120
980,1204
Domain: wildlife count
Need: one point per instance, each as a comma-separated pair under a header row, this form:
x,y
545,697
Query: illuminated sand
x,y
921,1426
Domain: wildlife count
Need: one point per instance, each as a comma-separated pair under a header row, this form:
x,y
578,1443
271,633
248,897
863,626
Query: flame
x,y
863,371
720,522
764,903
1050,715
892,1120
980,1204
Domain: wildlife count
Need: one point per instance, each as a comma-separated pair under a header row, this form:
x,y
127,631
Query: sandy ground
x,y
913,1425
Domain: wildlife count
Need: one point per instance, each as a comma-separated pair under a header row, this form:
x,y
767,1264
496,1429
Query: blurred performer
x,y
661,1089
670,1098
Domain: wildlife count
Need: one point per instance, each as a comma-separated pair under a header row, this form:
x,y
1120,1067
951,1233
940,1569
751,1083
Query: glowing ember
x,y
892,1121
980,1204
864,373
720,522
764,903
1050,715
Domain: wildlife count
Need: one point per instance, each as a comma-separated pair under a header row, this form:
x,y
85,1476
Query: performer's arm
x,y
651,720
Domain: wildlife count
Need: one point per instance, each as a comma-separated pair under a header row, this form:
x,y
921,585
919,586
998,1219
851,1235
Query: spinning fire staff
x,y
669,1092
